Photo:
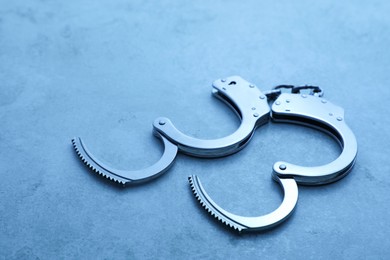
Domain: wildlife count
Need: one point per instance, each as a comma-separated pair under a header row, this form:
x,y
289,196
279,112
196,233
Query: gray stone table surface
x,y
104,70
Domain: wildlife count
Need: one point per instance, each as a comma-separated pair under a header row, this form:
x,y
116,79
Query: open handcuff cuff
x,y
251,106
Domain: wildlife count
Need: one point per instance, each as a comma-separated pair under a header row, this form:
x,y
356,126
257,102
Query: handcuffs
x,y
251,106
246,100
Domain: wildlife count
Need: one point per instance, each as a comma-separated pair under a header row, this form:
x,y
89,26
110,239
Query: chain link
x,y
276,91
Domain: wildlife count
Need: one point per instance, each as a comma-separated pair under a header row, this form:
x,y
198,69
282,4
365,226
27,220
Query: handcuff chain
x,y
275,92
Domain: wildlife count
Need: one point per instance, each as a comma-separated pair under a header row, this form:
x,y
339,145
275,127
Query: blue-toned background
x,y
104,70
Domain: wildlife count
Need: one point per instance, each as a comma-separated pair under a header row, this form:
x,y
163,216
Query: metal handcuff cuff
x,y
251,106
249,103
310,110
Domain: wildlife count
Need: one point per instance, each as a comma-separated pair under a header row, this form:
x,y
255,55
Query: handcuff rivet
x,y
262,97
277,103
161,122
304,95
288,100
223,80
339,118
256,115
251,86
282,167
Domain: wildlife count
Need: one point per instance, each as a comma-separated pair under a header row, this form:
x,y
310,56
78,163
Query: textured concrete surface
x,y
104,70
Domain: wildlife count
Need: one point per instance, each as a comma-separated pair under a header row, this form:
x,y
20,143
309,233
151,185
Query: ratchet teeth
x,y
210,206
92,163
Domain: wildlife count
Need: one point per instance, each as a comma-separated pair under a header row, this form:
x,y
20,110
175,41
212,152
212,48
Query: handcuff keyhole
x,y
232,83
